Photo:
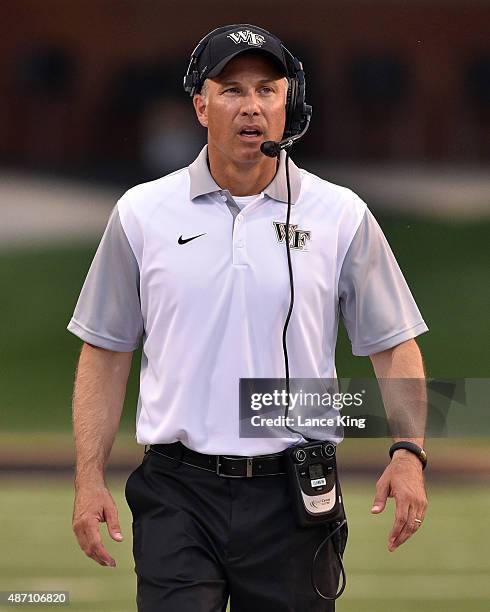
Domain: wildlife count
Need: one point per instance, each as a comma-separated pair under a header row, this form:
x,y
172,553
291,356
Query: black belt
x,y
229,466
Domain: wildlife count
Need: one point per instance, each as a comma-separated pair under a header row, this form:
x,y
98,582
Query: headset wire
x,y
335,533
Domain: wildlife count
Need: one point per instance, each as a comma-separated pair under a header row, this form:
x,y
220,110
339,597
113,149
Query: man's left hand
x,y
402,479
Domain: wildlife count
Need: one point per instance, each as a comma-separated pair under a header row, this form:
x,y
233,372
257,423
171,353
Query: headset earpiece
x,y
290,109
297,112
191,81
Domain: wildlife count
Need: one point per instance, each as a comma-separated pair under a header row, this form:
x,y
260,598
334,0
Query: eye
x,y
232,90
267,89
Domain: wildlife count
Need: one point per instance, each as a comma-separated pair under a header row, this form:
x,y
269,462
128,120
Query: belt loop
x,y
249,467
147,448
180,451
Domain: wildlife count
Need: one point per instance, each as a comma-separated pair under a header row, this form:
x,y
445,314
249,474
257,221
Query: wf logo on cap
x,y
251,38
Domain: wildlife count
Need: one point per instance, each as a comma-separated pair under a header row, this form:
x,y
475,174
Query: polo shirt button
x,y
239,219
240,244
224,198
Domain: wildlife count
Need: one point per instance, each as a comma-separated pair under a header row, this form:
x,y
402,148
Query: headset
x,y
298,113
298,116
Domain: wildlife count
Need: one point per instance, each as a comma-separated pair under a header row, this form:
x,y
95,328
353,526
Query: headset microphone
x,y
272,148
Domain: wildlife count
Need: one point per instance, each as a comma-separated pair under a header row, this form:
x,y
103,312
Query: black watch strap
x,y
411,447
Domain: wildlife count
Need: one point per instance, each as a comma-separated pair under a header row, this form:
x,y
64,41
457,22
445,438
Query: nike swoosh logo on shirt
x,y
184,240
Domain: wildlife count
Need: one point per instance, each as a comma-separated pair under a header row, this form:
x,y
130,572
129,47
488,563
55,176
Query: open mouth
x,y
250,133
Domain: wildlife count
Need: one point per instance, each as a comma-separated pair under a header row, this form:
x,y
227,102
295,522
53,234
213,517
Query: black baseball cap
x,y
225,43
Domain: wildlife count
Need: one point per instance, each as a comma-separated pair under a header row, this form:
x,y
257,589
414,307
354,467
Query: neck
x,y
241,178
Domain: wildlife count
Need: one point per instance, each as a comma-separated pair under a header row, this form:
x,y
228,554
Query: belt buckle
x,y
249,461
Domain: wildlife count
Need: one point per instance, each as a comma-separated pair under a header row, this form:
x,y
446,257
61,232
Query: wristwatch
x,y
411,447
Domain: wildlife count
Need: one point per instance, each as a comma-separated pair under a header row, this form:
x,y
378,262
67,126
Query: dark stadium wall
x,y
388,79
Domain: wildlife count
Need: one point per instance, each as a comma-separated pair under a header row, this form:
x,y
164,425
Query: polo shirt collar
x,y
203,183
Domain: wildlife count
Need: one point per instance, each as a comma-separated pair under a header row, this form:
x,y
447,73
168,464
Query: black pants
x,y
199,538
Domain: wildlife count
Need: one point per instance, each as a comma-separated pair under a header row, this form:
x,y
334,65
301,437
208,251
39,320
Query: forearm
x,y
400,372
98,399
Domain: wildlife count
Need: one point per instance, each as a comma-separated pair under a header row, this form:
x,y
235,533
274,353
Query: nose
x,y
250,105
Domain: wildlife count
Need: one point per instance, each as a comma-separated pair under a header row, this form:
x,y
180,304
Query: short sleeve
x,y
377,306
108,311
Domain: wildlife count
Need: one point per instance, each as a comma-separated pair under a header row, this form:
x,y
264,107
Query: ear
x,y
201,109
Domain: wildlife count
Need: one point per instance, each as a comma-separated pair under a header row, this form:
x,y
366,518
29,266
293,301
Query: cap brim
x,y
214,72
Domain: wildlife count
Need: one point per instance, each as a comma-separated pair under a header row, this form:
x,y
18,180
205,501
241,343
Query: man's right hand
x,y
94,505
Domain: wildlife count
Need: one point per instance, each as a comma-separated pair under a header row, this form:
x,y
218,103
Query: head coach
x,y
194,266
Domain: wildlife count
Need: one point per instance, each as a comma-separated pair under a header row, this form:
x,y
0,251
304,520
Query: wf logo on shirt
x,y
251,38
297,237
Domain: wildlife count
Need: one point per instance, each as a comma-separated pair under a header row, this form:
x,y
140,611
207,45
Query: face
x,y
244,106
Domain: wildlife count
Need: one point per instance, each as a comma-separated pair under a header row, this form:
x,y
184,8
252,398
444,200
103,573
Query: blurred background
x,y
91,103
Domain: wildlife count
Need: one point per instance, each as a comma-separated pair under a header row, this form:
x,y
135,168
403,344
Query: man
x,y
192,264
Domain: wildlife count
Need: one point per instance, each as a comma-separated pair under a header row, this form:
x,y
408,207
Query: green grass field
x,y
445,568
446,265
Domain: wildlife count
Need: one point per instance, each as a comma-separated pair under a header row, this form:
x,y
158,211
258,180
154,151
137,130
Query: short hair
x,y
204,90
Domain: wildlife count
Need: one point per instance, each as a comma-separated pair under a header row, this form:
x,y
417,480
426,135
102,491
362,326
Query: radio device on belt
x,y
313,483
